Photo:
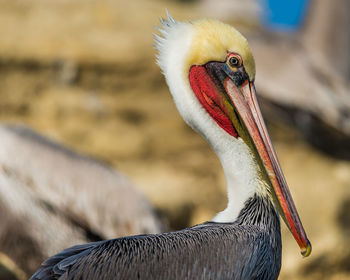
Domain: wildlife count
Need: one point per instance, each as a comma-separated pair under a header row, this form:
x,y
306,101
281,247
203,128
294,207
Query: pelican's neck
x,y
243,179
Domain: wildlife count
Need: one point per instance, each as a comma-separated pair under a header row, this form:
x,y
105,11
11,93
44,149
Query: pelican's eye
x,y
234,61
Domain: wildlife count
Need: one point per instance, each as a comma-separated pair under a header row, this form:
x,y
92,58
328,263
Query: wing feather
x,y
207,251
57,265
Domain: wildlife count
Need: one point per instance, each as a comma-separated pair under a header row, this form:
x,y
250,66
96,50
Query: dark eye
x,y
234,62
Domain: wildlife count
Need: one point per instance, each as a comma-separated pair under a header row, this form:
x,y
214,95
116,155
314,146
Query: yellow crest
x,y
213,39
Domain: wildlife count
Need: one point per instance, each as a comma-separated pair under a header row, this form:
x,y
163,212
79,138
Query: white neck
x,y
241,173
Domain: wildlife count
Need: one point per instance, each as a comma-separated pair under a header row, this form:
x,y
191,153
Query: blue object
x,y
284,15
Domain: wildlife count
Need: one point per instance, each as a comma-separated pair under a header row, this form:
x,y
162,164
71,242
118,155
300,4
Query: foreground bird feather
x,y
249,248
210,71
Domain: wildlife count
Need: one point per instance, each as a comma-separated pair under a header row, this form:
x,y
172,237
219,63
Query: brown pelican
x,y
210,71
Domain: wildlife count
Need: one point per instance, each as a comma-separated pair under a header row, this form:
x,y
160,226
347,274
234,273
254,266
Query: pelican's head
x,y
210,71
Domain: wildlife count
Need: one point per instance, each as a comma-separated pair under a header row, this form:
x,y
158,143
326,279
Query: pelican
x,y
210,71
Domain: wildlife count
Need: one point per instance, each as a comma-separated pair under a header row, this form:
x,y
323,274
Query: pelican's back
x,y
206,251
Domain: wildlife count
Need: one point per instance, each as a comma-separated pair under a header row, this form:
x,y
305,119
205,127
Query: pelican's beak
x,y
246,106
230,98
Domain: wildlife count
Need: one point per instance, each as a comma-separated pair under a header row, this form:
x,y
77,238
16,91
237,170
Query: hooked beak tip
x,y
306,251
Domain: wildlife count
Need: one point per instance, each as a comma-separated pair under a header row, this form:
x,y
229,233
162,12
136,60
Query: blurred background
x,y
82,73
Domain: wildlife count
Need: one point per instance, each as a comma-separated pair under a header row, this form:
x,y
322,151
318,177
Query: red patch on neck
x,y
210,98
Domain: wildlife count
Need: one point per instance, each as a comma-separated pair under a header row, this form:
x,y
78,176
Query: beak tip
x,y
306,251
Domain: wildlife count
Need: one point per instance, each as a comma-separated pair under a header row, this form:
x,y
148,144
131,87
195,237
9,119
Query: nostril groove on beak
x,y
239,78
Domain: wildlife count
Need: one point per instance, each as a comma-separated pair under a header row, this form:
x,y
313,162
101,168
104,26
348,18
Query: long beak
x,y
247,107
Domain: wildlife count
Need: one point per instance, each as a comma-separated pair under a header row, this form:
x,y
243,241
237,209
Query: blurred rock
x,y
327,36
52,198
241,11
330,265
343,217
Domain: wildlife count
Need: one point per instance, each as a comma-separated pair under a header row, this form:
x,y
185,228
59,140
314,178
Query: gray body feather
x,y
249,248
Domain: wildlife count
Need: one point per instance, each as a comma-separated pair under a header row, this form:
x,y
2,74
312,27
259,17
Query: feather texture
x,y
249,248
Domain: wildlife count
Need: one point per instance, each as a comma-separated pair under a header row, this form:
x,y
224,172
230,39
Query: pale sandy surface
x,y
83,73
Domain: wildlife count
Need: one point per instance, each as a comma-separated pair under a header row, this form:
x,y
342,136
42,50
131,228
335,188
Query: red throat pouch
x,y
210,97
